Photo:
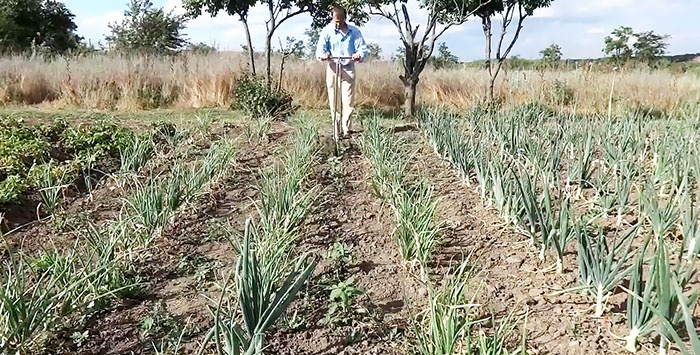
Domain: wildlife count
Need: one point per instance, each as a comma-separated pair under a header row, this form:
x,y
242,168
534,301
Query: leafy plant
x,y
253,96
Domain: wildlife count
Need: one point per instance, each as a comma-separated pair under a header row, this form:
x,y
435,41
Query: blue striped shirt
x,y
333,41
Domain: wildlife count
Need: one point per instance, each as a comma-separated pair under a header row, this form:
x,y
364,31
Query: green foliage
x,y
101,139
20,147
560,93
313,35
45,25
201,48
147,30
320,11
254,97
444,58
194,8
551,55
25,150
11,189
623,44
617,43
292,48
374,51
650,46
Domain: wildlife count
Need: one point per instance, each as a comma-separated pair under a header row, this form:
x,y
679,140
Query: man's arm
x,y
323,47
361,46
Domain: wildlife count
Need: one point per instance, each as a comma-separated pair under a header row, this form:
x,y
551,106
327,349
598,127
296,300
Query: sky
x,y
578,27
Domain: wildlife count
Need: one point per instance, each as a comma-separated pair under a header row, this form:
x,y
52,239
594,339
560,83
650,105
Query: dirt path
x,y
349,213
513,277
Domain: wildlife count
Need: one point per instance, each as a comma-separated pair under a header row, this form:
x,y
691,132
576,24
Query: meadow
x,y
143,211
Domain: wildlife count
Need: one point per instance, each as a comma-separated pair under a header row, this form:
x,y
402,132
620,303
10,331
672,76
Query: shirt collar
x,y
338,31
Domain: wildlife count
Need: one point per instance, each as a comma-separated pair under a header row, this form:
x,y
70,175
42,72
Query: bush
x,y
255,98
560,93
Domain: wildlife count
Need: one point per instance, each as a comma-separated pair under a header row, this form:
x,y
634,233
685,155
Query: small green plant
x,y
11,189
561,93
342,296
253,96
336,170
51,181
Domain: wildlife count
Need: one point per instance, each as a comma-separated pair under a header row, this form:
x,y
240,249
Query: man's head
x,y
338,13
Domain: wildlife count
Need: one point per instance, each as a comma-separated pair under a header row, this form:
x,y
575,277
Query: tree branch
x,y
521,18
288,16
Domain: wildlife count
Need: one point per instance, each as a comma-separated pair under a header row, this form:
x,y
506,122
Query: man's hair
x,y
339,10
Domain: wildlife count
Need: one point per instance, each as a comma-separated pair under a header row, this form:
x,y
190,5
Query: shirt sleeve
x,y
360,45
322,46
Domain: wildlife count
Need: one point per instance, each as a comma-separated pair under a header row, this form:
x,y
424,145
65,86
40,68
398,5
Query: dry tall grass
x,y
102,82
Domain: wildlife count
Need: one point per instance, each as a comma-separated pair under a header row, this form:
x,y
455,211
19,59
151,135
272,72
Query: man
x,y
340,39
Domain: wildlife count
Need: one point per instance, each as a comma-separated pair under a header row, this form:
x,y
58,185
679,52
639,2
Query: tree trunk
x,y
410,96
251,52
492,81
486,24
268,60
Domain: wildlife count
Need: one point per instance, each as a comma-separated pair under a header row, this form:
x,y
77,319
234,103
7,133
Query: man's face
x,y
338,19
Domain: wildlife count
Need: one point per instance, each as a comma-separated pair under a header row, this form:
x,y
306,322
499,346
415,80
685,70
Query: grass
x,y
115,83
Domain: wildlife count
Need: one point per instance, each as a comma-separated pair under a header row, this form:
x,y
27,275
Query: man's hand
x,y
356,57
326,56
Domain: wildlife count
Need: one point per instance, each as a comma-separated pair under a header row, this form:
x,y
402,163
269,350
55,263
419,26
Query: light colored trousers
x,y
346,91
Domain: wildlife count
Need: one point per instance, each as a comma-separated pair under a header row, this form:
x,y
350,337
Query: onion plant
x,y
662,218
416,231
667,298
135,153
51,181
448,321
640,317
560,227
690,227
383,151
413,202
261,298
530,210
602,267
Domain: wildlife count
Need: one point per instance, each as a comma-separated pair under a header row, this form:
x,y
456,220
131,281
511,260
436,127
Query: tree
x,y
444,58
147,30
623,44
47,24
233,8
313,34
279,12
399,55
508,9
292,48
649,46
551,55
419,47
374,52
618,44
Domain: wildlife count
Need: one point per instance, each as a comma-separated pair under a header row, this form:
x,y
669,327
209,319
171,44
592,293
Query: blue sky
x,y
579,27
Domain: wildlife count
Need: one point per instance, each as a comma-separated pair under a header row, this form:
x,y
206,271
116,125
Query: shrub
x,y
11,189
100,138
253,96
561,93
